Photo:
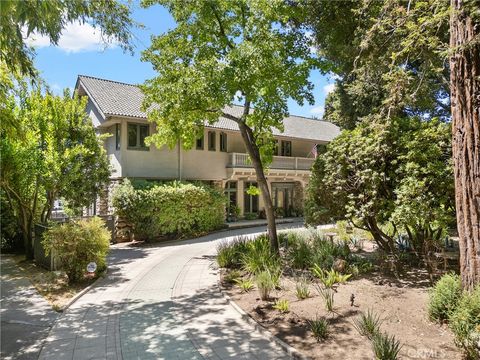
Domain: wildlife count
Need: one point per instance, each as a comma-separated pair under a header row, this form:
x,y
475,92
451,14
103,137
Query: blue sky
x,y
80,52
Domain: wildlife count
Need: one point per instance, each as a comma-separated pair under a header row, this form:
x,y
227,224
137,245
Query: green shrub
x,y
444,297
464,322
229,253
265,284
245,284
319,328
170,209
385,347
301,289
78,243
250,216
232,276
282,305
329,278
259,257
328,297
325,252
299,254
368,324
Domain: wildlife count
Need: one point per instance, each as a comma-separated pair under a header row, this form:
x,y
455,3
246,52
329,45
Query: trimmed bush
x,y
78,243
444,297
174,209
464,322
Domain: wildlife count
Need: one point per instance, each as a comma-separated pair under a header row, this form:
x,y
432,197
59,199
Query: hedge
x,y
175,209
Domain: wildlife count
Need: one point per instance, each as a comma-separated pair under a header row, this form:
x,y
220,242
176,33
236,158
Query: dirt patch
x,y
400,304
52,285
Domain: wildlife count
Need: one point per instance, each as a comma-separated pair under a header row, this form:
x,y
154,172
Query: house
x,y
218,158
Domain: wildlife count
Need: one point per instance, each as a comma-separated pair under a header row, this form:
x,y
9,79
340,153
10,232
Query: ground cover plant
x,y
333,291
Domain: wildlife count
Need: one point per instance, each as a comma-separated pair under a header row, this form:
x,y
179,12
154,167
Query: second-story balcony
x,y
238,160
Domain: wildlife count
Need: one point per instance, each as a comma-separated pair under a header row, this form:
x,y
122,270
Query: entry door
x,y
283,197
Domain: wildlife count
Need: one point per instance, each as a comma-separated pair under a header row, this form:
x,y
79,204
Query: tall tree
x,y
222,52
465,93
22,18
52,152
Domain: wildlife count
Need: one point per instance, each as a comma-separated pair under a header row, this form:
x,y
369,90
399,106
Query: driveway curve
x,y
159,302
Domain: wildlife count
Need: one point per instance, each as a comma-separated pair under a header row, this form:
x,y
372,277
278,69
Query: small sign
x,y
91,267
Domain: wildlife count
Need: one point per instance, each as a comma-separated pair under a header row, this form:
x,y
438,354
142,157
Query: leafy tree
x,y
394,172
21,18
52,152
399,58
389,57
224,51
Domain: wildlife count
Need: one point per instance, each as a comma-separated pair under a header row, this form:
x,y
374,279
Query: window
x,y
117,136
199,145
136,136
286,148
231,193
211,140
275,148
223,142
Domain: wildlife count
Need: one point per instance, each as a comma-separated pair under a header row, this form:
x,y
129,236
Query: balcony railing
x,y
279,162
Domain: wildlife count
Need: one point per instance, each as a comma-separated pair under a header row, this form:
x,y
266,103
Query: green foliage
x,y
325,252
385,347
245,284
251,216
464,321
232,276
444,297
259,257
282,305
319,328
302,290
49,18
52,137
368,324
265,284
171,209
329,278
299,253
78,243
328,296
397,171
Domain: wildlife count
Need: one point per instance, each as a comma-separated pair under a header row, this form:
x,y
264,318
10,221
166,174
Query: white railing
x,y
279,162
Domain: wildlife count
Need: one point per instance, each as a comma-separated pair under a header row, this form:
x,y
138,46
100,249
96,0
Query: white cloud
x,y
75,37
327,89
318,111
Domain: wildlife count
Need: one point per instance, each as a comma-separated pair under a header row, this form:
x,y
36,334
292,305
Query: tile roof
x,y
120,99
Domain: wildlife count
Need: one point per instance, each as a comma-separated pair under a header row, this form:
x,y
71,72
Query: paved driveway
x,y
26,316
159,303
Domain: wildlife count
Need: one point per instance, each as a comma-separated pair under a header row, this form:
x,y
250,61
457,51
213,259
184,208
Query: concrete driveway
x,y
159,302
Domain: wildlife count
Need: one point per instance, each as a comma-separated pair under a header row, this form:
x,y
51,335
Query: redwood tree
x,y
465,99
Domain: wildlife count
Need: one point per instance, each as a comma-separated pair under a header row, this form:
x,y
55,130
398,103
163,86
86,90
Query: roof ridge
x,y
241,106
112,81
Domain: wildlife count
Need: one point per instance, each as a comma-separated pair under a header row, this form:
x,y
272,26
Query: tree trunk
x,y
465,98
254,153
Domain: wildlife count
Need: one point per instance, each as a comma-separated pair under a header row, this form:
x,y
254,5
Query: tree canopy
x,y
22,18
396,172
52,152
224,52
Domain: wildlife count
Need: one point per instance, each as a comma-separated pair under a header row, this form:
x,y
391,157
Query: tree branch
x,y
222,30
